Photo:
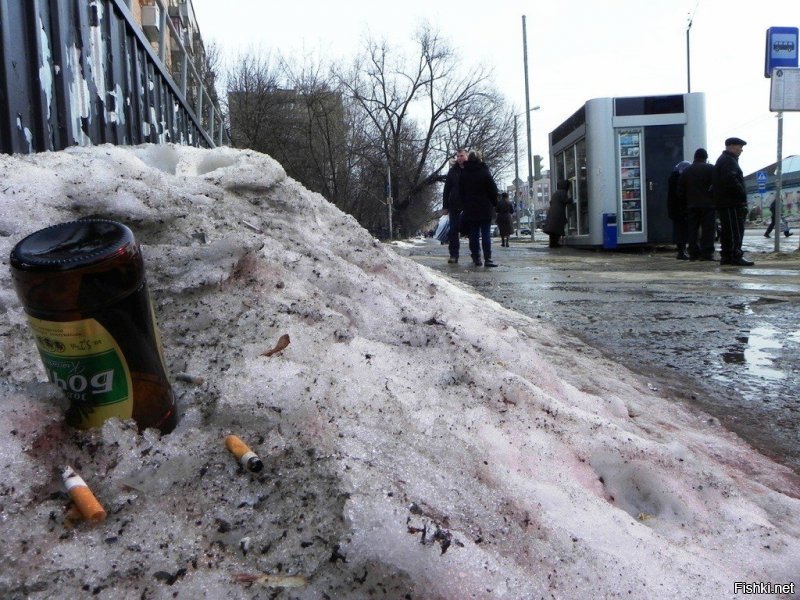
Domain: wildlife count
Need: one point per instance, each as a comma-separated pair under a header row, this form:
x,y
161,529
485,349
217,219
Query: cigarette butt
x,y
82,496
247,458
187,378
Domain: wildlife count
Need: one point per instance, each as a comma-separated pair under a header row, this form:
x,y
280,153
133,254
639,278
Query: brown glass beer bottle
x,y
83,287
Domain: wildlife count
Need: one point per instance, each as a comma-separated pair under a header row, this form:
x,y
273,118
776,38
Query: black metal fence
x,y
82,72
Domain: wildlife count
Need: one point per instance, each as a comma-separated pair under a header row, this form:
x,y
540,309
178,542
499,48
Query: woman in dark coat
x,y
478,198
504,211
557,213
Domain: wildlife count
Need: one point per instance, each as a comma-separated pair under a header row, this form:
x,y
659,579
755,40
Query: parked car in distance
x,y
524,231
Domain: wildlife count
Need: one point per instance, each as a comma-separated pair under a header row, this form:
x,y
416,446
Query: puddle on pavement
x,y
768,287
752,350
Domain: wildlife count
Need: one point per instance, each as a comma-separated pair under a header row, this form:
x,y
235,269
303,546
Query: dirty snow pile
x,y
416,443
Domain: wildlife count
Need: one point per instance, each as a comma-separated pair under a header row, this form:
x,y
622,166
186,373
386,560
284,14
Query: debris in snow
x,y
281,581
283,342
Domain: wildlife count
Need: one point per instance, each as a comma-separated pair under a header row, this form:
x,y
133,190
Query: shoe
x,y
453,260
741,262
477,262
488,263
788,233
682,256
766,235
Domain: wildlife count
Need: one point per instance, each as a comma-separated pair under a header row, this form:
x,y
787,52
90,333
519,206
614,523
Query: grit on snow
x,y
418,440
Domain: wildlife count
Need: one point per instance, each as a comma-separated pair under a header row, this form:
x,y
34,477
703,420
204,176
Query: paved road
x,y
726,339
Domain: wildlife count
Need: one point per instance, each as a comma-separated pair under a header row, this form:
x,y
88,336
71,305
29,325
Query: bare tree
x,y
418,113
342,133
252,102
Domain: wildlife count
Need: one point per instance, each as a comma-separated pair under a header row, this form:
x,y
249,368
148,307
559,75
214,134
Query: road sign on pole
x,y
781,49
761,178
784,93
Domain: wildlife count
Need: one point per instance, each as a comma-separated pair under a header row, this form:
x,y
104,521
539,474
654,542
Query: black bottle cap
x,y
71,245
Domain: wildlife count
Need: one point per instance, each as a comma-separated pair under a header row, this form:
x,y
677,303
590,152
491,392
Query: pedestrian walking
x,y
557,213
694,192
478,198
730,200
451,203
676,210
771,226
504,211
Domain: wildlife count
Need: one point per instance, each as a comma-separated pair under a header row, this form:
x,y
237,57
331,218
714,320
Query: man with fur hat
x,y
730,199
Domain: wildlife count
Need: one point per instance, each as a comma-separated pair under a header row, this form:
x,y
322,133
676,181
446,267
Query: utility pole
x,y
528,118
516,175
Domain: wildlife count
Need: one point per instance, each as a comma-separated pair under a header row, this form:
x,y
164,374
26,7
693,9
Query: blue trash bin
x,y
609,231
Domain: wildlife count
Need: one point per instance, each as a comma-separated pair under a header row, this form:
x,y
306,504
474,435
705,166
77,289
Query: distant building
x,y
122,72
536,200
790,187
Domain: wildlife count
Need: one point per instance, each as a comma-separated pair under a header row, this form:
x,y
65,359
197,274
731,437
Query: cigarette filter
x,y
82,496
247,458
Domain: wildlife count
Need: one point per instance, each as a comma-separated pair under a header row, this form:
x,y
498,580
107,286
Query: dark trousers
x,y
555,240
771,226
731,221
680,233
482,229
453,238
702,222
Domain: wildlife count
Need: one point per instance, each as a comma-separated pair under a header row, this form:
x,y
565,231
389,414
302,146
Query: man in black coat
x,y
478,199
730,199
451,203
694,192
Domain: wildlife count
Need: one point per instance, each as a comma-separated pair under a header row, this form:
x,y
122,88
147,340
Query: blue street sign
x,y
761,178
781,49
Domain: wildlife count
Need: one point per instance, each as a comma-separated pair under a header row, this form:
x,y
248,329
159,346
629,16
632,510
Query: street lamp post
x,y
688,58
527,112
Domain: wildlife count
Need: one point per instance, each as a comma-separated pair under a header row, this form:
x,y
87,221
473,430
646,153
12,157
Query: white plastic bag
x,y
443,229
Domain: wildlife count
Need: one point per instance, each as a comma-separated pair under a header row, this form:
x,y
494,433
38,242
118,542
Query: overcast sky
x,y
577,50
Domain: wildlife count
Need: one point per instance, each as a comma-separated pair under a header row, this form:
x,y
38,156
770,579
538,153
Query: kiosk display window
x,y
630,178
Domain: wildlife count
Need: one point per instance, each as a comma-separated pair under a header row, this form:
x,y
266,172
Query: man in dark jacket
x,y
730,199
478,199
694,192
451,203
676,210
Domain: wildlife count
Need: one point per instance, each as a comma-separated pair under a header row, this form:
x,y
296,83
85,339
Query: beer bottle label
x,y
85,361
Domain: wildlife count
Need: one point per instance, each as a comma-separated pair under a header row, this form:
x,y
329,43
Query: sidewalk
x,y
725,339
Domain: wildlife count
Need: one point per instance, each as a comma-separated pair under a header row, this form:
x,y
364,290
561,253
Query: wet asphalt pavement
x,y
724,339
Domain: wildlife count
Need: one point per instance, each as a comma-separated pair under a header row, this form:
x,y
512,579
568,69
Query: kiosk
x,y
618,153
